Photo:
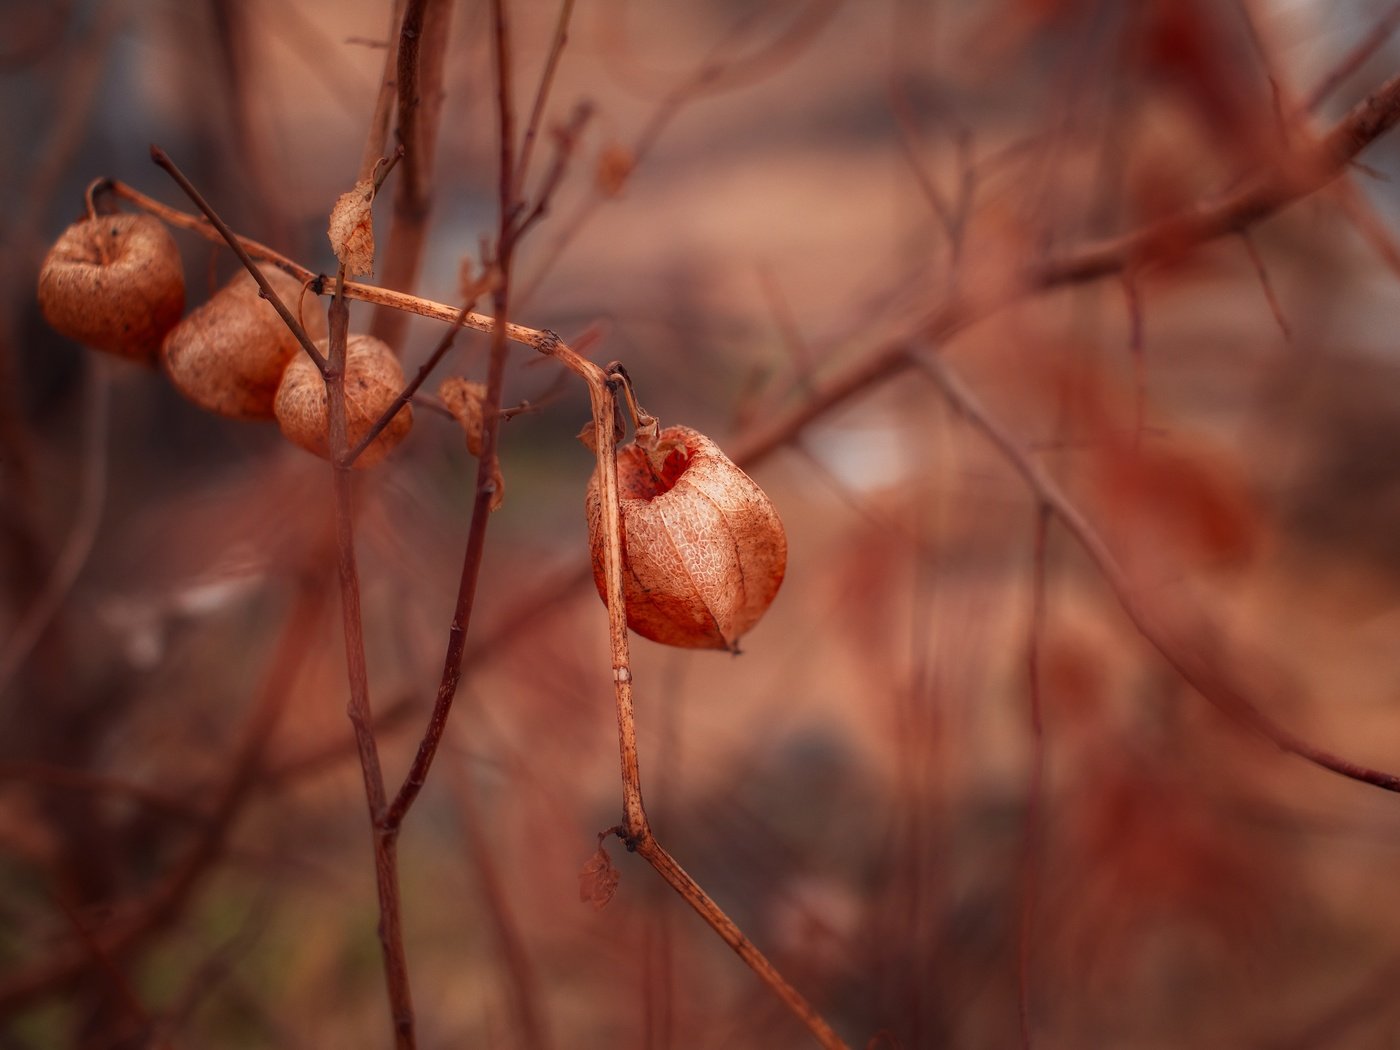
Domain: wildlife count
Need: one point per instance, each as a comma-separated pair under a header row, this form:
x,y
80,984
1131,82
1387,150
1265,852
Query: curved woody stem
x,y
636,830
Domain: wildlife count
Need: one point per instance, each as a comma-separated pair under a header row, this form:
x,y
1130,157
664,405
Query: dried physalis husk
x,y
114,283
703,549
228,355
373,379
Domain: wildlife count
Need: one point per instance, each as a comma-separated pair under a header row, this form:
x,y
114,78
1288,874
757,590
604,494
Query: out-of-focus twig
x,y
1035,788
1355,58
92,494
1182,647
422,53
130,927
720,70
1265,283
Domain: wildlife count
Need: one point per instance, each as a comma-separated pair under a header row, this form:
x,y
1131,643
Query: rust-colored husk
x,y
228,355
704,550
114,283
373,380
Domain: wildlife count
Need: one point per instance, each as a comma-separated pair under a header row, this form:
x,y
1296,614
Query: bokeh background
x,y
184,850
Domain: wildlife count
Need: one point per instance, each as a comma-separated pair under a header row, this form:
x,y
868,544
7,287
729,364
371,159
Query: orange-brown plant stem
x,y
406,394
162,160
466,594
361,715
1355,58
1164,239
636,829
487,462
725,66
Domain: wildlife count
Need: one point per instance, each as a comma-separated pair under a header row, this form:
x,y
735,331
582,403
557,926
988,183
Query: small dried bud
x,y
464,399
228,355
703,549
373,380
114,283
615,166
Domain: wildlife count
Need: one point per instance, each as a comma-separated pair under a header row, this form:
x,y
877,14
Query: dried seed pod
x,y
703,549
373,380
114,283
228,355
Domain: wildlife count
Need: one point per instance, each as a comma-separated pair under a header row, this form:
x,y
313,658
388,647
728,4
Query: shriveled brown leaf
x,y
615,166
351,229
466,401
597,882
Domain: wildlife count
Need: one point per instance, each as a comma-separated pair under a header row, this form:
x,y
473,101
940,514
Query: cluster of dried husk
x,y
228,355
116,284
704,549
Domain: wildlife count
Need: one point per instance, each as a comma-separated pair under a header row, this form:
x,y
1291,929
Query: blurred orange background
x,y
812,181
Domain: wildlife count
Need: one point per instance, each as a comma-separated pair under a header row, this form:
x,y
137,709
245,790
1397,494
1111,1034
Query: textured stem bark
x,y
358,708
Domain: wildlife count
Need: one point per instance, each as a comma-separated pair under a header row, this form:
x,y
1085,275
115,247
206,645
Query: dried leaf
x,y
589,436
615,166
472,284
352,229
466,401
597,882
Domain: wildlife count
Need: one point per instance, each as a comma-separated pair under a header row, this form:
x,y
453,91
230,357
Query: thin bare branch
x,y
235,242
1035,788
377,136
1182,648
361,714
422,53
1355,58
532,126
92,495
1275,307
127,930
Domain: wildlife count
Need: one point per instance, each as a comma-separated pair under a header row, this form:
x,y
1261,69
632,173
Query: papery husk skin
x,y
703,560
373,379
228,355
114,283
